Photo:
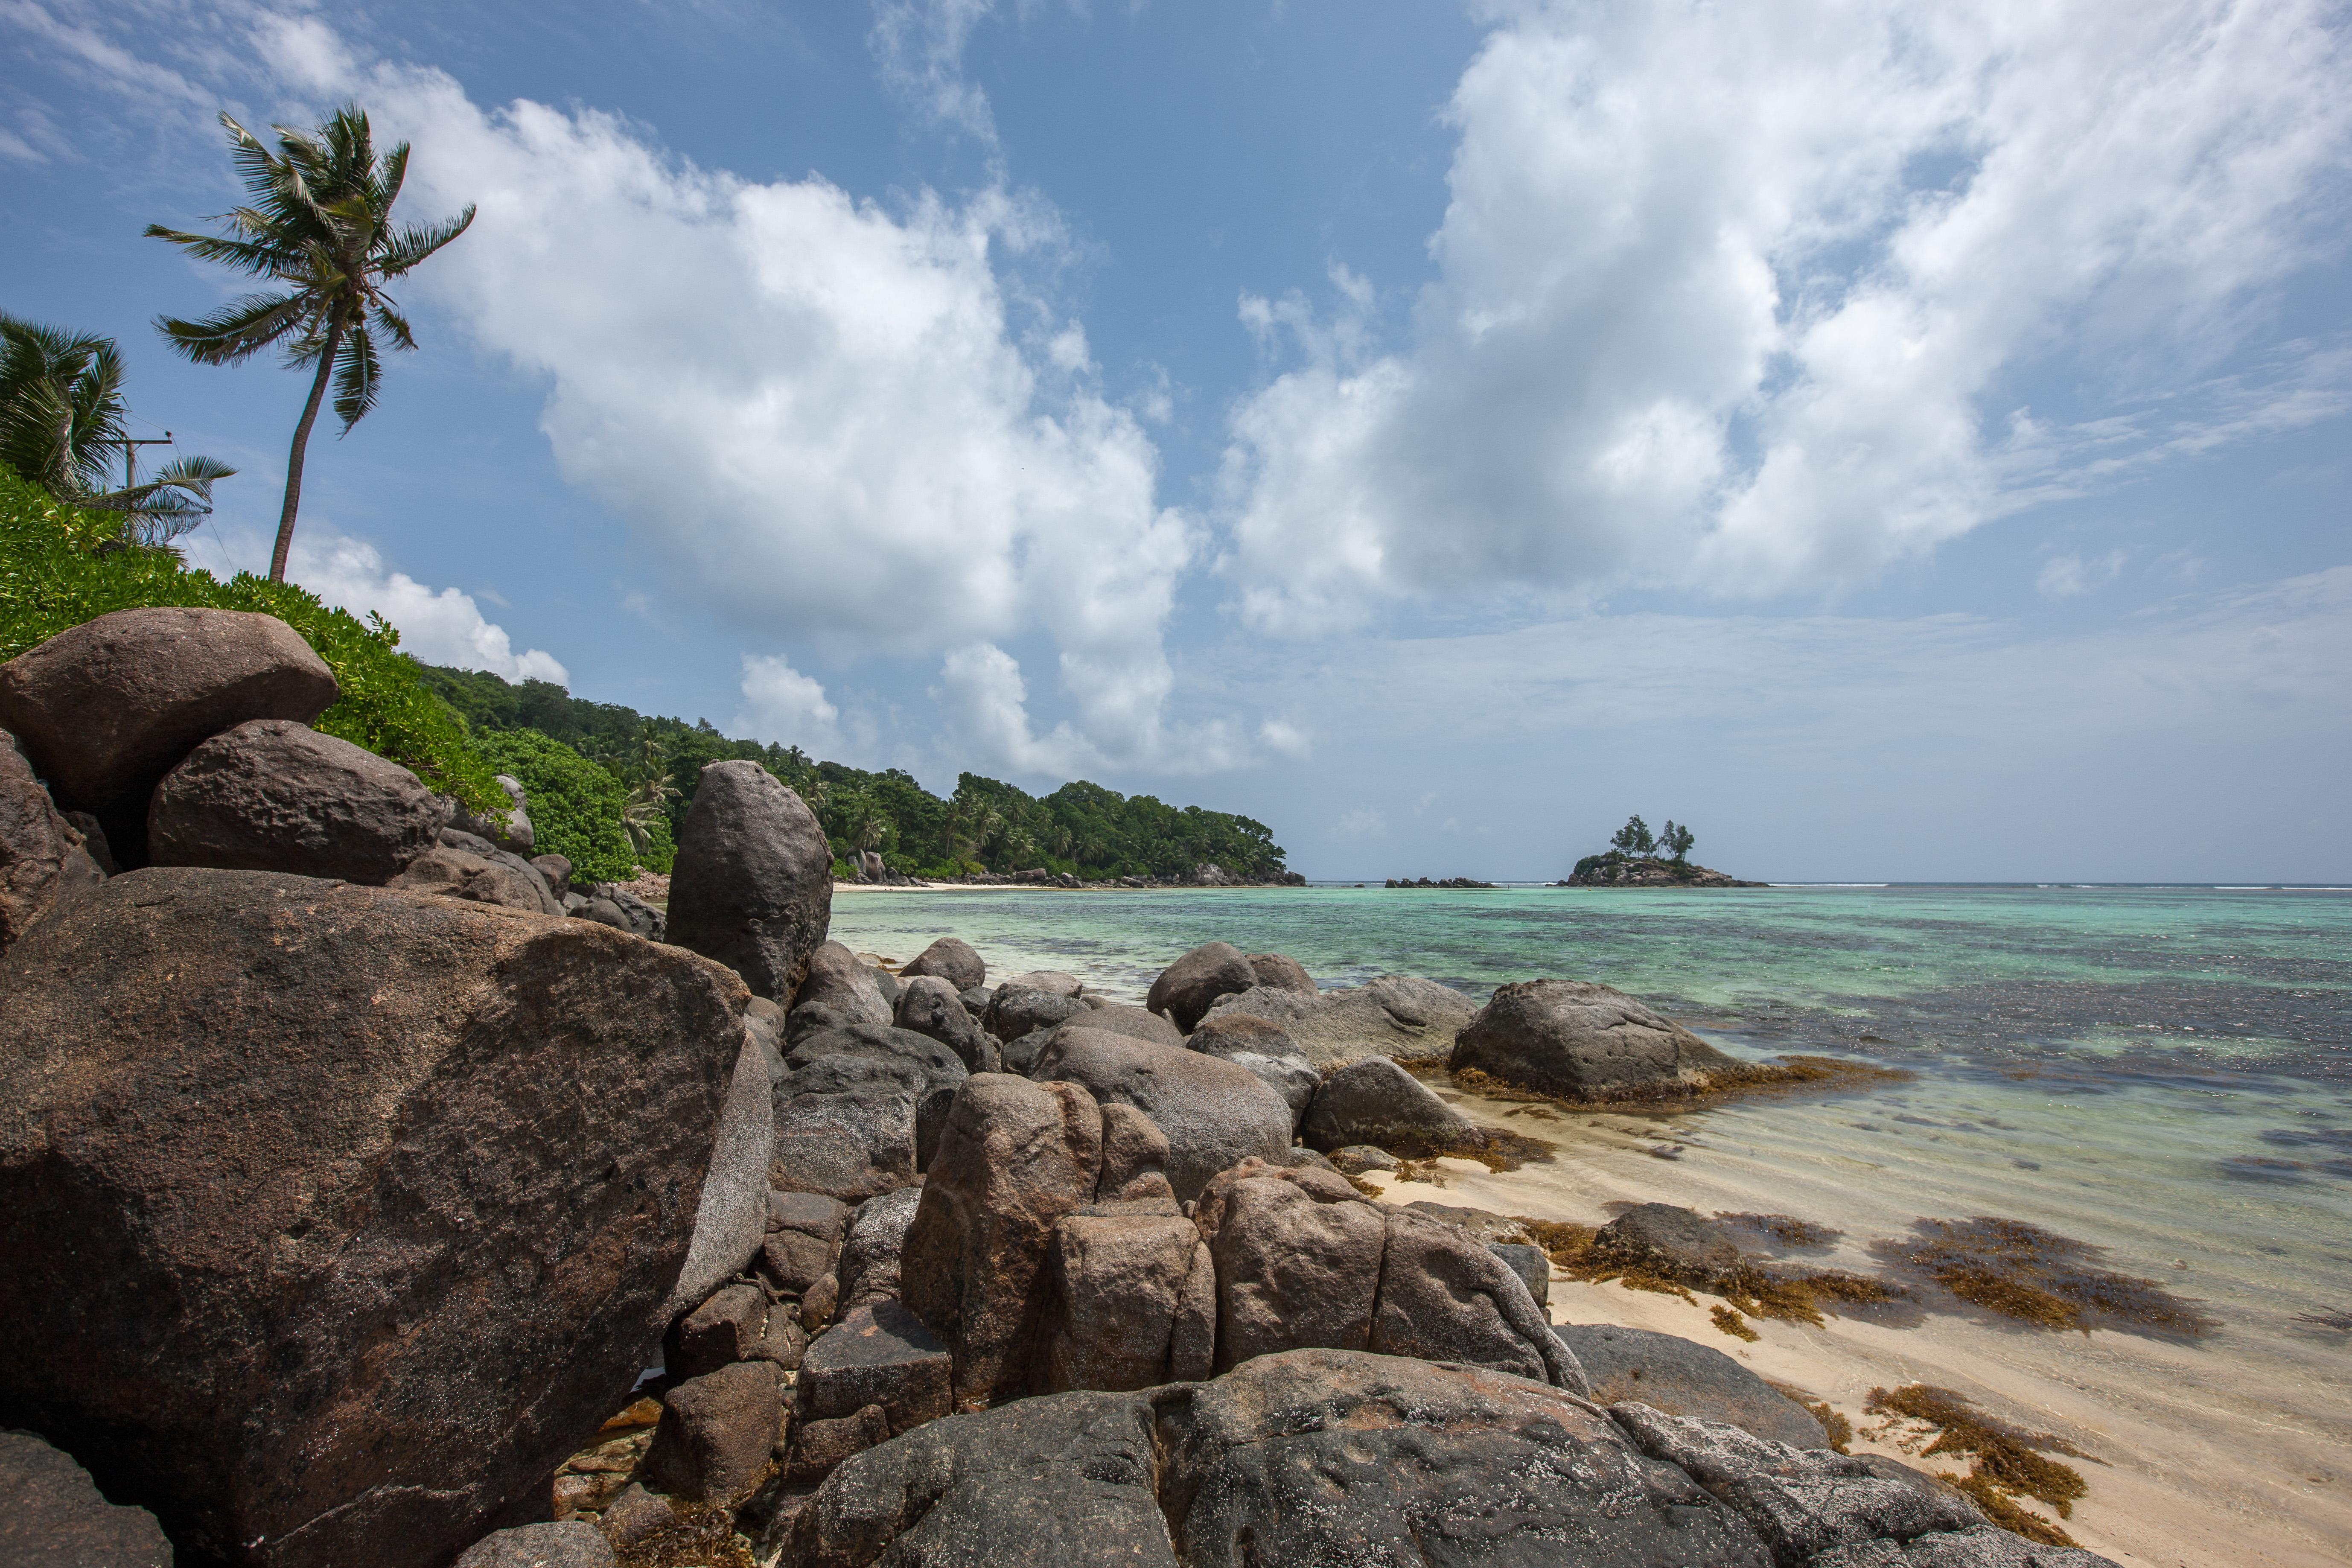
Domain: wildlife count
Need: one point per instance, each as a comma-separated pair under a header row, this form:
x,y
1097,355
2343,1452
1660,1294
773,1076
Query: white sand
x,y
2211,1456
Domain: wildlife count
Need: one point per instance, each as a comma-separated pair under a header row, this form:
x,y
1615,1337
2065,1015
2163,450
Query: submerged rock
x,y
414,1176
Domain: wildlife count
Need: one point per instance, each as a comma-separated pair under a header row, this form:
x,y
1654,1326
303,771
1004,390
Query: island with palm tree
x,y
1637,857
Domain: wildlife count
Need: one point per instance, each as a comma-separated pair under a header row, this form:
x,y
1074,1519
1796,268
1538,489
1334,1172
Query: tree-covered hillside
x,y
1080,828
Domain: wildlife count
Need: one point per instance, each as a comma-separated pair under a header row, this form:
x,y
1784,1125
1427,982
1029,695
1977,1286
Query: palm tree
x,y
649,802
61,410
320,225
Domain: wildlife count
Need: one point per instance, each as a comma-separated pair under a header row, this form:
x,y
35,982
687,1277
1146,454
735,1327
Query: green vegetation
x,y
61,565
1080,829
62,419
320,225
575,806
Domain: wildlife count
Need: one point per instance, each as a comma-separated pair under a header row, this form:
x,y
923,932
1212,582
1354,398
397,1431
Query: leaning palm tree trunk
x,y
294,458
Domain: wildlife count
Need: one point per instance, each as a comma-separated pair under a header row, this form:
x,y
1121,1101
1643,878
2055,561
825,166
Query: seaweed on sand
x,y
1801,1296
2336,1319
1787,1075
2034,1276
1728,1320
1833,1421
1786,1229
2005,1462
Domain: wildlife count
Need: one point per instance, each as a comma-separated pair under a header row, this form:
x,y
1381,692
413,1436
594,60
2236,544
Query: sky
x,y
1901,441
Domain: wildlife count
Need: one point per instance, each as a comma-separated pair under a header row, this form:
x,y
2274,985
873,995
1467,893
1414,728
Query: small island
x,y
1638,858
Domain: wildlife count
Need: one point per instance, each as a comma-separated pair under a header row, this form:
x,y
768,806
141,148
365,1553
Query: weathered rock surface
x,y
837,980
819,1445
106,709
752,884
1053,982
557,869
1985,1547
731,1218
463,865
1017,1010
51,1516
1393,1015
1802,1501
845,1113
1186,988
950,959
275,795
1135,1299
1444,1296
1672,1243
507,828
568,1544
1215,1114
1015,1158
716,1432
42,856
1376,1101
414,1176
93,837
1264,1049
1112,1018
876,1354
730,1326
1583,1042
1531,1264
870,1252
1359,1158
929,1005
1280,972
1682,1377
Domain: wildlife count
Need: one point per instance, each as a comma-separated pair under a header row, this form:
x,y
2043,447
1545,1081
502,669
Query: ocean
x,y
2165,1072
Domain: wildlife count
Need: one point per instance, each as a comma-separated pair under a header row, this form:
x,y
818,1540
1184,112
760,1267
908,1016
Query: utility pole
x,y
130,453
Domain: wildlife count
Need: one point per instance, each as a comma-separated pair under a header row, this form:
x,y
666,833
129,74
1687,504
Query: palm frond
x,y
359,377
395,325
415,243
241,255
237,333
391,174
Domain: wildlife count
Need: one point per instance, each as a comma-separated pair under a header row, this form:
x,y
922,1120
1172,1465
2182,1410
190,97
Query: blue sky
x,y
1901,442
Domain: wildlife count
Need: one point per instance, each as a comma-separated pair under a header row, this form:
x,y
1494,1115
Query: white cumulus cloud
x,y
445,626
783,706
1740,297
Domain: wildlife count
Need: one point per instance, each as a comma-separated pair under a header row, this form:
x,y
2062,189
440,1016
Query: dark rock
x,y
1299,1157
1359,1158
605,912
1068,1480
928,1005
731,1216
1485,1225
868,1267
786,1340
93,837
1393,1015
884,982
1671,1243
717,1432
1135,1300
1053,982
508,829
728,1328
1985,1547
1682,1377
1444,1296
816,1306
876,1354
1298,1255
810,1214
1583,1042
1021,1056
495,878
1136,1024
1186,987
1321,1456
1018,1010
1802,1501
416,1178
975,1000
51,1516
1280,972
845,1113
950,959
569,1544
42,857
1377,1101
275,795
1015,1158
1531,1264
106,709
1215,1114
837,980
752,883
636,1516
818,1446
793,1263
557,869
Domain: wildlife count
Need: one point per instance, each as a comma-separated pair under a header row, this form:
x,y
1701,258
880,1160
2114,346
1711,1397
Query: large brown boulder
x,y
752,884
951,958
275,795
106,709
1392,1016
42,856
1214,1113
1378,1102
835,979
1135,1299
1682,1377
1583,1042
337,1216
462,866
1186,987
849,1109
1280,972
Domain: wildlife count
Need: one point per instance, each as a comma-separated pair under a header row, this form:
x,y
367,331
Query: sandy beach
x,y
2208,1454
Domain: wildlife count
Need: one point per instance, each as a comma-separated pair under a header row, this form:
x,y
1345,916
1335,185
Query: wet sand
x,y
2215,1451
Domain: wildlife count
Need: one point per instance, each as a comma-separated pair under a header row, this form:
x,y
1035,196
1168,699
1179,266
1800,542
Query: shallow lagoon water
x,y
2165,1072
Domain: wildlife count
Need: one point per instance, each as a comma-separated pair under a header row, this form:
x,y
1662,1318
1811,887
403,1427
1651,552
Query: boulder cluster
x,y
354,1169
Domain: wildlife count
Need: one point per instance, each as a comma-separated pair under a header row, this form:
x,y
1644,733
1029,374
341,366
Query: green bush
x,y
55,575
575,805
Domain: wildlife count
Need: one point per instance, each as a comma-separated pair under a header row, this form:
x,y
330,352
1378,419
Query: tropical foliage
x,y
64,426
1081,828
319,228
61,565
576,808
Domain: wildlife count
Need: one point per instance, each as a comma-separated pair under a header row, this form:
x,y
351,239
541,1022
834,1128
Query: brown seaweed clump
x,y
1786,1229
1728,1320
1756,1290
1741,1080
2034,1276
2006,1462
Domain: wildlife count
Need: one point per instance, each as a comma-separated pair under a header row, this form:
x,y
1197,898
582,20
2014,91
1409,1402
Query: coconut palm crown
x,y
319,228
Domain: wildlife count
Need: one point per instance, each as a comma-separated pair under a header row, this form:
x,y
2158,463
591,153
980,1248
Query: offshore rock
x,y
752,884
415,1178
104,710
951,958
1583,1042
